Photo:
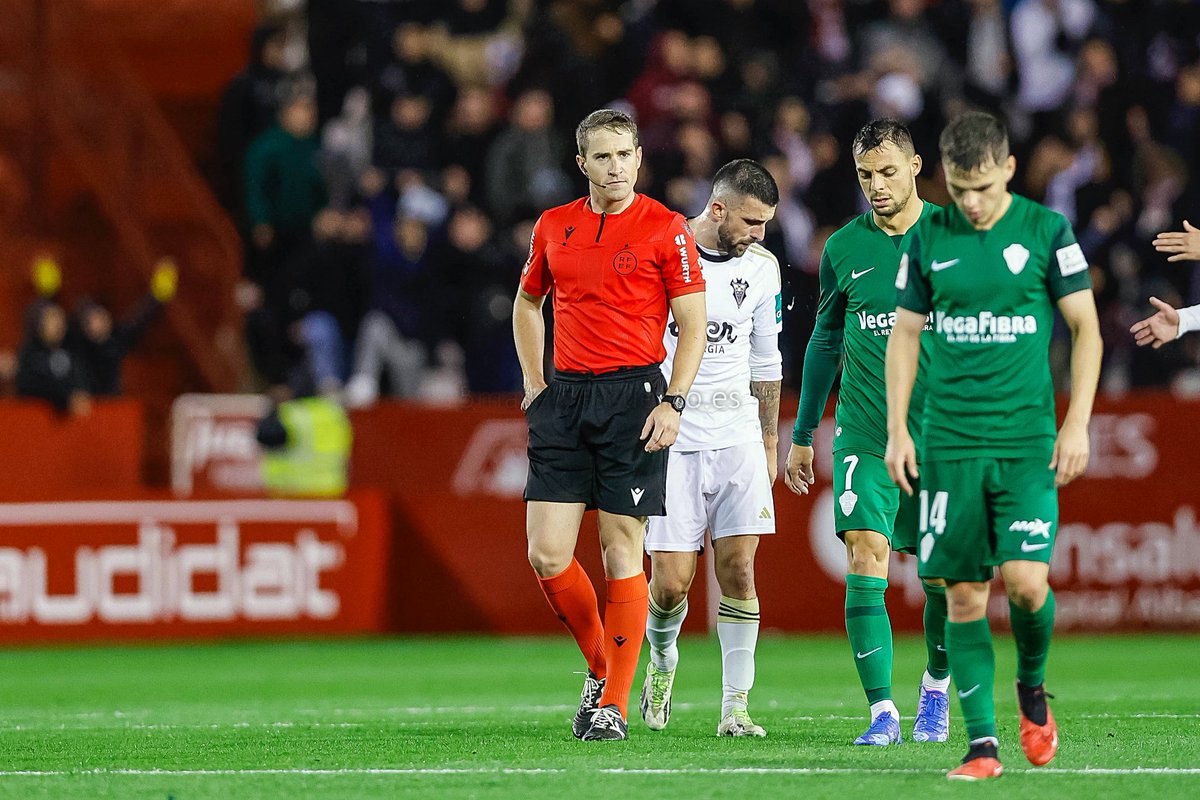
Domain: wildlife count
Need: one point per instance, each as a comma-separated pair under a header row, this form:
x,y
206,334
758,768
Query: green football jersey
x,y
992,296
855,315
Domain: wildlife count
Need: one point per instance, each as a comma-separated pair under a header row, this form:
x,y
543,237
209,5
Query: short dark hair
x,y
747,178
973,139
606,118
872,136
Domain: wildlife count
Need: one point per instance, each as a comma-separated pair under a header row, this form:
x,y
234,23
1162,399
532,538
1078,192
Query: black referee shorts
x,y
584,444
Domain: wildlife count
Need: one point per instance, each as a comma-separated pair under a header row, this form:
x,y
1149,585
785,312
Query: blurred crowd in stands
x,y
386,159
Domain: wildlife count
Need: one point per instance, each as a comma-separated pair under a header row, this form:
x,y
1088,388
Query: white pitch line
x,y
378,716
1151,715
452,771
200,726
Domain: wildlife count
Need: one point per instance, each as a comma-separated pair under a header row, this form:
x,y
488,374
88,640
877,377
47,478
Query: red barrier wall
x,y
47,455
1128,552
150,568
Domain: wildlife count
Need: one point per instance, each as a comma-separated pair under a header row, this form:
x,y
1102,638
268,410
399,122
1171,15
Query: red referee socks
x,y
571,595
624,627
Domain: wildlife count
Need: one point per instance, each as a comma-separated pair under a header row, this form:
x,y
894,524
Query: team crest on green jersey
x,y
1016,256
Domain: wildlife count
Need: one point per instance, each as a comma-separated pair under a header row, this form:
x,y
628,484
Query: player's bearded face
x,y
979,193
744,223
887,176
611,164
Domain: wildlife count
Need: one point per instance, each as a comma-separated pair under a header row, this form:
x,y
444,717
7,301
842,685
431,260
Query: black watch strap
x,y
677,401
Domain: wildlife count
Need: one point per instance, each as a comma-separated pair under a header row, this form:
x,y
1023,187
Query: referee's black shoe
x,y
589,701
607,725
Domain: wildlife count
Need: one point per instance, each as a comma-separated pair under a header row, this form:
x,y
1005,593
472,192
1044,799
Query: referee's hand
x,y
531,394
661,428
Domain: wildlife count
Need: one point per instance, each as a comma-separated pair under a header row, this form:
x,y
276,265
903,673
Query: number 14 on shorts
x,y
932,521
933,514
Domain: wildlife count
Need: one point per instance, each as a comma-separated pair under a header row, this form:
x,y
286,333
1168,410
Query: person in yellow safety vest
x,y
306,448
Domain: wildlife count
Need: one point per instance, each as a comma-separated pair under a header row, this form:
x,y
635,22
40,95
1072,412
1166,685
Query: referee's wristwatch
x,y
677,401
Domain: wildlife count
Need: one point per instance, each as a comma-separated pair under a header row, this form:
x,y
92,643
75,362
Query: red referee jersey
x,y
612,275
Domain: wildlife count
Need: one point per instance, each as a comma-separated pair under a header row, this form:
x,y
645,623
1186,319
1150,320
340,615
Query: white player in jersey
x,y
724,460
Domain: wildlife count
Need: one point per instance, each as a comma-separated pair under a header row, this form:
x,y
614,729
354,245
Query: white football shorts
x,y
724,491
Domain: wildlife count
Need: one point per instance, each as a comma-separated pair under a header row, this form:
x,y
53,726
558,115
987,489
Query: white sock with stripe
x,y
737,628
662,632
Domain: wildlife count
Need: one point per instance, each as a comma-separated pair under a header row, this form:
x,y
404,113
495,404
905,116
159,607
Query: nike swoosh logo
x,y
864,655
856,275
938,266
968,692
1029,547
941,649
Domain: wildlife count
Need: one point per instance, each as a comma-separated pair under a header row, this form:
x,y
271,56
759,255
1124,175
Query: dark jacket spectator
x,y
46,369
399,271
470,132
471,301
406,139
524,165
248,108
412,72
102,344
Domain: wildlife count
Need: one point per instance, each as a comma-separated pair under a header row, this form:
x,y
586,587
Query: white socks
x,y
737,628
934,684
881,707
662,632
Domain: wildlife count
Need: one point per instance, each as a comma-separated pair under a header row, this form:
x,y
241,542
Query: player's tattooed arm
x,y
767,394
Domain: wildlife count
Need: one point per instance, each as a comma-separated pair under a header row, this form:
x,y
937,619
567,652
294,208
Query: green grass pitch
x,y
484,717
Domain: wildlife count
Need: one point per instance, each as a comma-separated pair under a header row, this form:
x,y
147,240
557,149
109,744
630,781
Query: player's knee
x,y
736,577
668,594
867,564
547,563
1028,595
966,602
868,555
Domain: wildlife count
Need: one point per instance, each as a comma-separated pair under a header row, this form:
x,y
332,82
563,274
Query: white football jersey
x,y
743,298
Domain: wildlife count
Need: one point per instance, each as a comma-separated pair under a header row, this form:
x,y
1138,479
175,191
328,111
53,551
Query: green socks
x,y
1032,630
938,665
870,633
973,663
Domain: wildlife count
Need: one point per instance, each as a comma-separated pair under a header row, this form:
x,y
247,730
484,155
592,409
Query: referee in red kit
x,y
599,433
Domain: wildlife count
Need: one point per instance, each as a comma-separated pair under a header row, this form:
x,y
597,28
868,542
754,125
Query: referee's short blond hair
x,y
607,119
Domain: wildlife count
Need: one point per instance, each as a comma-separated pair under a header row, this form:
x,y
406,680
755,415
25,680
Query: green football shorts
x,y
865,499
978,513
